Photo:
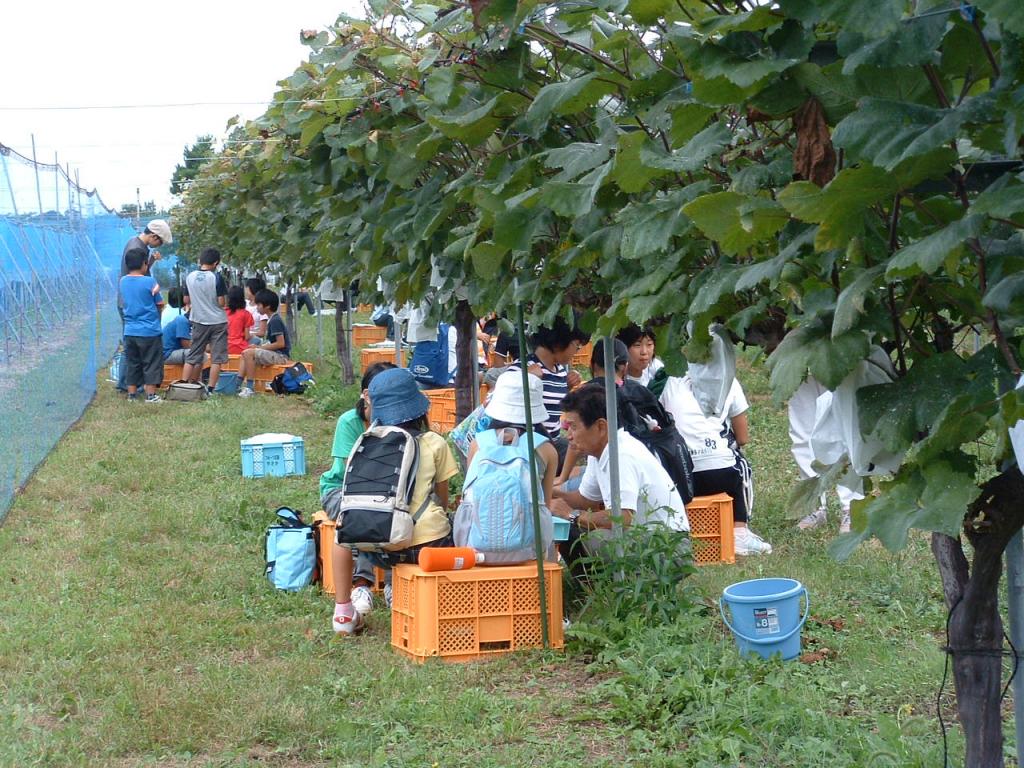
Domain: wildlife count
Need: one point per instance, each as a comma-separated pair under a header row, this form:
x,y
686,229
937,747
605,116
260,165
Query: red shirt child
x,y
239,323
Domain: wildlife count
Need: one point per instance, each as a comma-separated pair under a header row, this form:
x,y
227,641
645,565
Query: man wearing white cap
x,y
156,233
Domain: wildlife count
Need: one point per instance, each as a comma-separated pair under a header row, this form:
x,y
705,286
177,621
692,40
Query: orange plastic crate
x,y
494,360
364,335
442,409
368,357
473,614
325,556
365,308
325,551
582,358
711,529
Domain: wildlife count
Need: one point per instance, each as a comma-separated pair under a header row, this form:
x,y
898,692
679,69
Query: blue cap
x,y
395,397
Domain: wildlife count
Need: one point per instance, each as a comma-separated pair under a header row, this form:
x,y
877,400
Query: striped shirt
x,y
556,387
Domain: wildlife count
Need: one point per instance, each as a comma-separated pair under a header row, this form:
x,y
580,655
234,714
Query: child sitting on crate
x,y
351,425
496,513
239,321
254,285
397,401
178,332
275,351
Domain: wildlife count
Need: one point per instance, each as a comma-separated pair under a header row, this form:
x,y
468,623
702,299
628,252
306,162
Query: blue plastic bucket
x,y
766,617
227,383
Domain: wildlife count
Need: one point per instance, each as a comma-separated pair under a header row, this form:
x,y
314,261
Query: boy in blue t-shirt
x,y
143,341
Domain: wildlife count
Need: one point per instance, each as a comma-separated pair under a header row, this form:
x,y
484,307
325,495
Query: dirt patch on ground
x,y
45,722
569,711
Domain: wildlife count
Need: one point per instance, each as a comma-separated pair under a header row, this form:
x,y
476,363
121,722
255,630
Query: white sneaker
x,y
246,392
816,518
388,595
362,599
844,521
749,543
347,625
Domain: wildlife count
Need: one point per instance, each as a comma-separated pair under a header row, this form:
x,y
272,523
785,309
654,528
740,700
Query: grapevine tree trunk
x,y
975,627
465,348
291,324
341,345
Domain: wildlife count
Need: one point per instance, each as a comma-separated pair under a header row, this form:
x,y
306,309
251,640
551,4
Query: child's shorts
x,y
177,357
214,335
269,357
144,360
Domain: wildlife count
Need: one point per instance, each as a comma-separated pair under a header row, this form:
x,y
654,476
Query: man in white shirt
x,y
646,492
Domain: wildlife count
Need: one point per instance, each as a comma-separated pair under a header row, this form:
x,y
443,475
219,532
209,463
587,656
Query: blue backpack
x,y
496,513
290,551
293,381
430,360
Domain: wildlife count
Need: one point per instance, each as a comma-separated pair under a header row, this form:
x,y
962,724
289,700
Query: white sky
x,y
59,53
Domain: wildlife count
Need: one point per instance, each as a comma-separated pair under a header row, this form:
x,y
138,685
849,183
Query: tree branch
x,y
566,43
984,44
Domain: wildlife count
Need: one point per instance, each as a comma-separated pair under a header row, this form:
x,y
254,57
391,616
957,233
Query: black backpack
x,y
645,418
372,507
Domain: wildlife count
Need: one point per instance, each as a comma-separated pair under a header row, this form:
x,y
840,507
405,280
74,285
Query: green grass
x,y
138,629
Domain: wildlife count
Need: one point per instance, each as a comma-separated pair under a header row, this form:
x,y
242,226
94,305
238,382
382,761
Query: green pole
x,y
534,482
612,417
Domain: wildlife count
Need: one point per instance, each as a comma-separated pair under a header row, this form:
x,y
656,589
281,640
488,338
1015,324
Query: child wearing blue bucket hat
x,y
396,400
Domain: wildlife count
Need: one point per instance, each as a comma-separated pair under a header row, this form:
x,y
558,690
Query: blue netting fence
x,y
60,251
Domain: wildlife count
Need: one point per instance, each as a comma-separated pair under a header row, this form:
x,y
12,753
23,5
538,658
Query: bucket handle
x,y
773,638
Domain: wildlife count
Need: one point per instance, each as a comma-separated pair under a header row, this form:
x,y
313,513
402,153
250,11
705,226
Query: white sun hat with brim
x,y
508,404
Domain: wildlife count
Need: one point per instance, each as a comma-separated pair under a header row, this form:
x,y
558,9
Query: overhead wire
x,y
81,107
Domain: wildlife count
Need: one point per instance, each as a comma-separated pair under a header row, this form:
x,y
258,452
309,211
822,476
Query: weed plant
x,y
640,577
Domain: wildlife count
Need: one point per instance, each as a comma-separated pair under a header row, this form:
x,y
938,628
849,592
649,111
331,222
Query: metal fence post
x,y
534,483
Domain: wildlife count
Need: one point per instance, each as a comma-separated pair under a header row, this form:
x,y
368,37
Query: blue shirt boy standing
x,y
143,341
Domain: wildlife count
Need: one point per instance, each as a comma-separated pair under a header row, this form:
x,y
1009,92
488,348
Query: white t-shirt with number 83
x,y
709,439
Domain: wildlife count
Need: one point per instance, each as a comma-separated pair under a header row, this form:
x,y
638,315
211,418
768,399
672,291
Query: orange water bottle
x,y
449,558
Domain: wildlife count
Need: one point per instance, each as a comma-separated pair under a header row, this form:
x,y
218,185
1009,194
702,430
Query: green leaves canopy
x,y
647,161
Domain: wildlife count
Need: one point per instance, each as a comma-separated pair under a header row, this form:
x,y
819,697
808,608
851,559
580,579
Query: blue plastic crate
x,y
273,455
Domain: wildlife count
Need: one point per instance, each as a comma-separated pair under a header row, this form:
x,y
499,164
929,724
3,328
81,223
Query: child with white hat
x,y
506,410
495,516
